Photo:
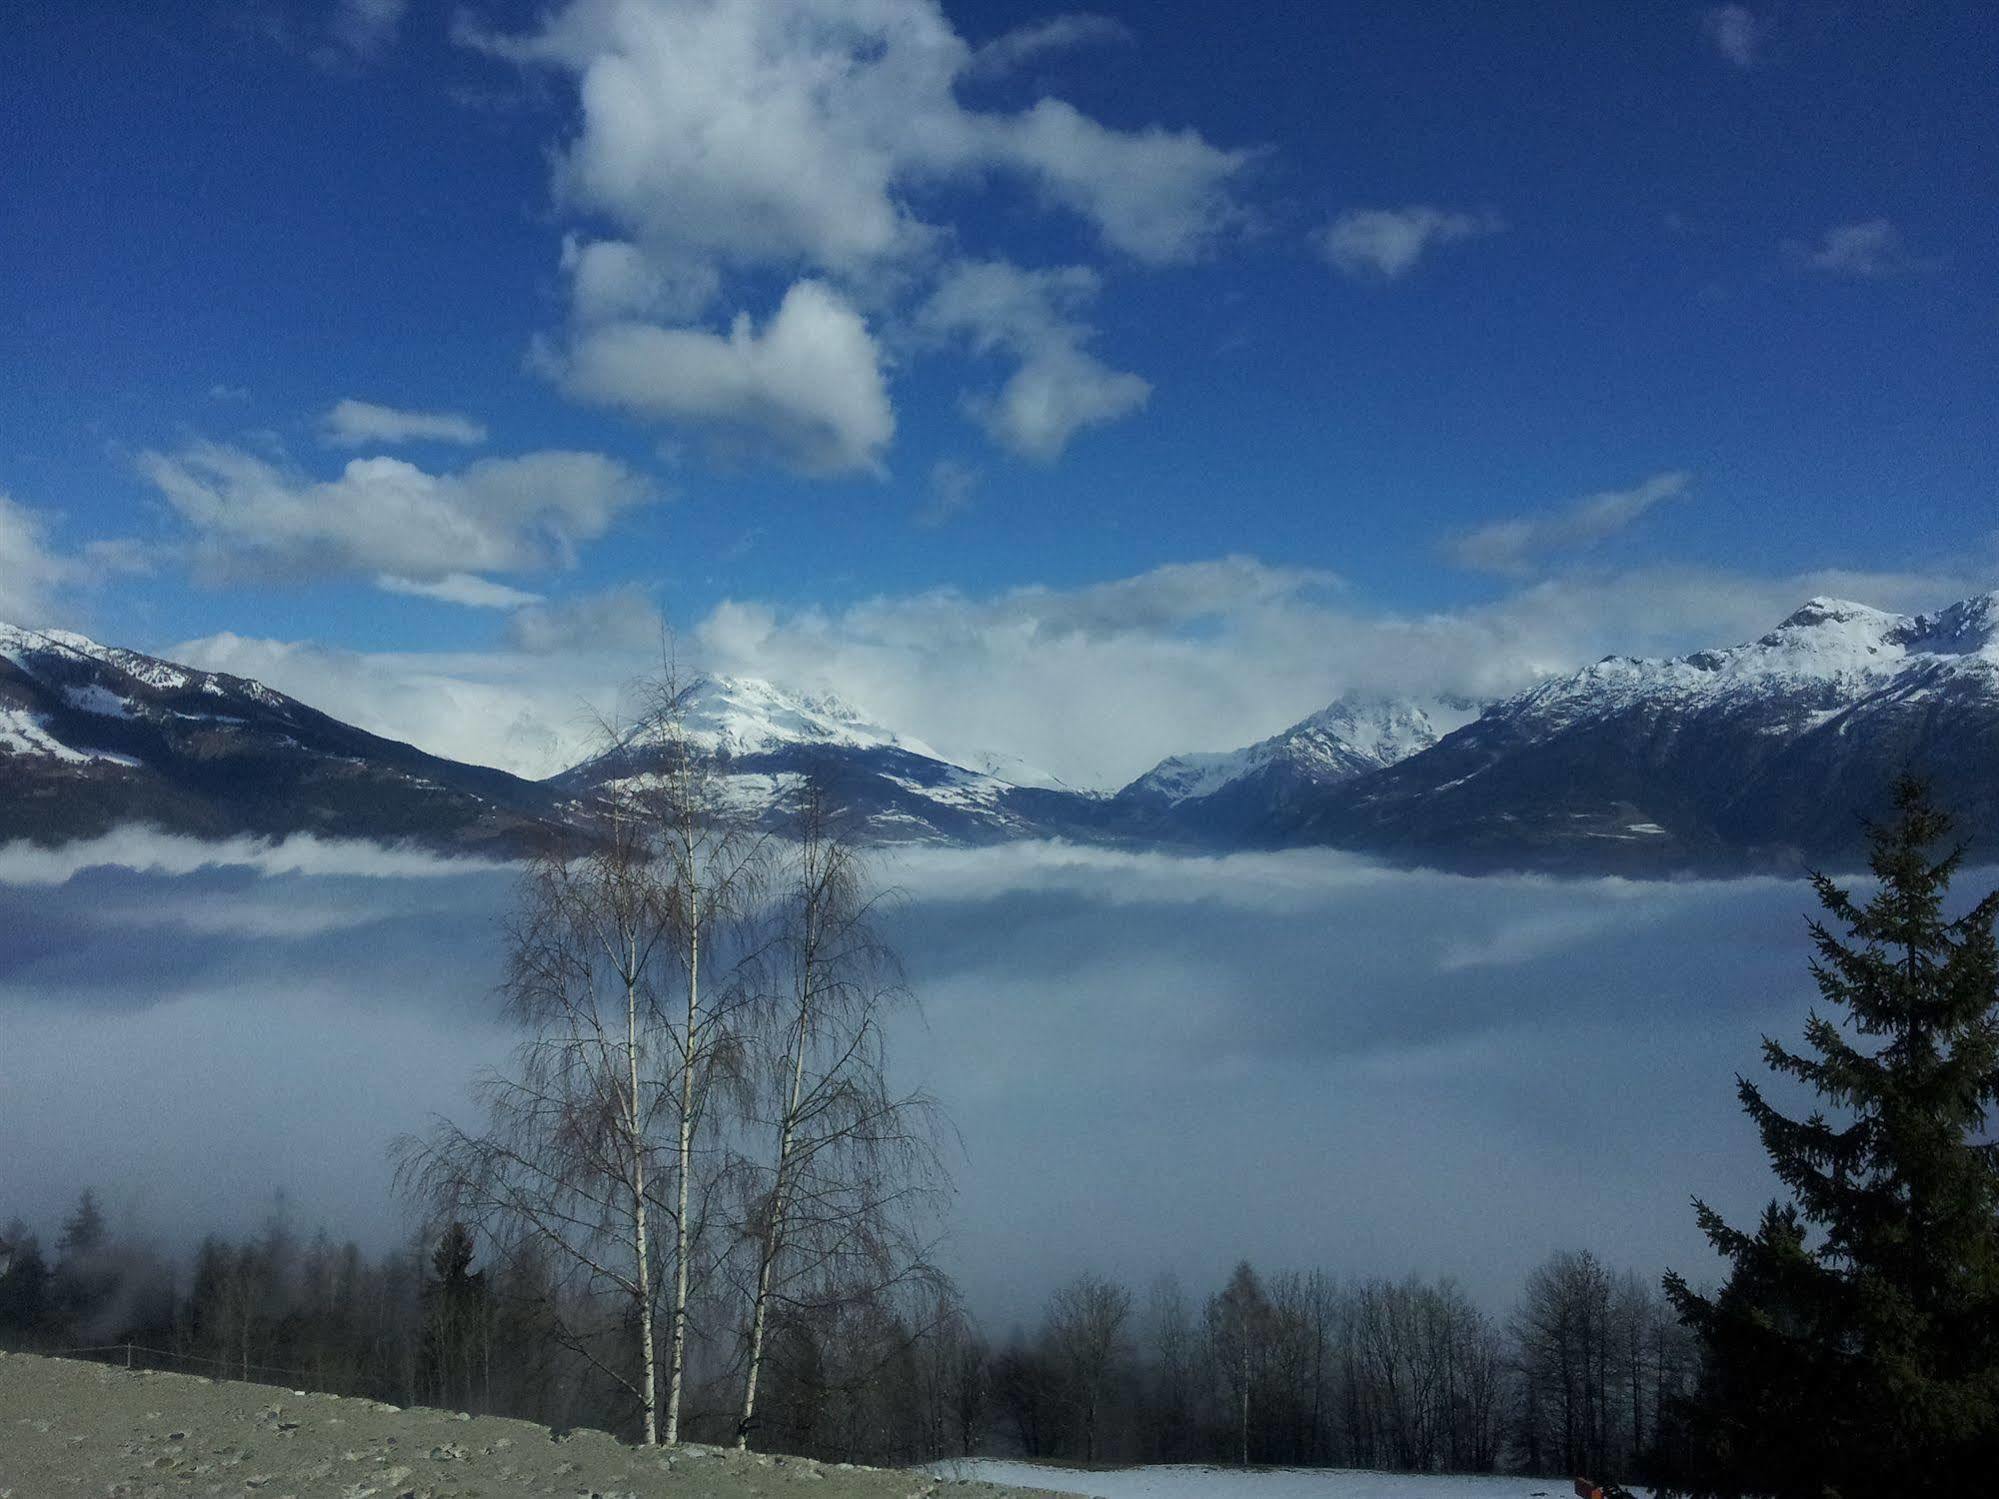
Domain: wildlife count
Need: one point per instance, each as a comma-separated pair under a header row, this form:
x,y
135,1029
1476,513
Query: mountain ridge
x,y
1757,755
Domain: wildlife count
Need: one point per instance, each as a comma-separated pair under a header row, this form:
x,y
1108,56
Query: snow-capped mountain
x,y
766,741
1765,754
93,736
1250,795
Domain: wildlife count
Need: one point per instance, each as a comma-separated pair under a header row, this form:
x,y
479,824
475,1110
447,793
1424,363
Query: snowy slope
x,y
766,741
94,736
1765,753
1240,796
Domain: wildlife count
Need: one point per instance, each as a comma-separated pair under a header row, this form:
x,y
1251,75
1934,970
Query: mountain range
x,y
1764,755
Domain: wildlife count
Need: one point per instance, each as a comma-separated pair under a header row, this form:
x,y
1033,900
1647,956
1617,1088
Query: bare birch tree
x,y
833,1197
711,866
564,1166
597,1136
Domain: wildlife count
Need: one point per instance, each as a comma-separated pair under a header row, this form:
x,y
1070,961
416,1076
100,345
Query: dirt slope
x,y
68,1427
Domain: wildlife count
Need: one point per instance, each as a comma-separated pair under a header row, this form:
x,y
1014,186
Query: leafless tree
x,y
570,1149
595,1134
836,1194
711,865
1239,1325
1086,1334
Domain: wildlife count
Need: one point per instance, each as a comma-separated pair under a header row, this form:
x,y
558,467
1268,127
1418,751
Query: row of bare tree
x,y
1304,1369
697,1135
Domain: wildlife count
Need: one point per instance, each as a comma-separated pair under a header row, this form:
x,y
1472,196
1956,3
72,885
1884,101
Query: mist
x,y
1152,1063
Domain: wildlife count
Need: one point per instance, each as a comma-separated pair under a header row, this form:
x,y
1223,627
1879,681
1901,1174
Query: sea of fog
x,y
1152,1063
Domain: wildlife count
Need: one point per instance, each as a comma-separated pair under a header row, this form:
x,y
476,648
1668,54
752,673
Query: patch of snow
x,y
22,733
99,700
1190,1481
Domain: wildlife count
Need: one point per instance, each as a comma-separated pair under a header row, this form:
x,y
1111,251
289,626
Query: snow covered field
x,y
1191,1481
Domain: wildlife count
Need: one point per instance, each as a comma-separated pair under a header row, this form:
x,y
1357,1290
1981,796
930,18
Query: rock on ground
x,y
68,1427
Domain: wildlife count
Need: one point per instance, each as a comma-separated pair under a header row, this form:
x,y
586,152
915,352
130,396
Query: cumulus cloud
x,y
1868,249
384,516
807,388
465,589
1734,32
1514,545
1014,49
741,133
1059,387
806,141
359,424
1388,242
617,619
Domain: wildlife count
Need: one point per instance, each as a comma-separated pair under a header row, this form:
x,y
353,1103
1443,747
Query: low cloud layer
x,y
1526,1064
1094,684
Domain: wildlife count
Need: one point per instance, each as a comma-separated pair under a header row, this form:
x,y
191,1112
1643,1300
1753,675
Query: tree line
x,y
1298,1369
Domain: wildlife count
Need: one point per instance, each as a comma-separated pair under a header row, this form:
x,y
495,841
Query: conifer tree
x,y
1855,1348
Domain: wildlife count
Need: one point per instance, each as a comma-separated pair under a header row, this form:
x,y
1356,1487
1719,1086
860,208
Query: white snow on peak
x,y
747,715
1349,736
1825,655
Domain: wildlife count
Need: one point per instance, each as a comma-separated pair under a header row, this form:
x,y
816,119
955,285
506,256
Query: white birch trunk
x,y
774,1235
649,1391
682,1233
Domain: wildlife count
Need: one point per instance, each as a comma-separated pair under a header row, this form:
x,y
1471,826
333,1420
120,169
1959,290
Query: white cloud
x,y
1096,684
739,133
466,589
1387,242
1161,196
1512,546
386,516
357,424
530,714
365,28
1735,32
1059,387
617,619
1024,44
32,574
1869,249
612,280
953,487
150,851
809,386
807,141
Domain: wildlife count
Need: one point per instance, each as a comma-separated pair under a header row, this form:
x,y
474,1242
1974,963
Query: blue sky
x,y
1113,382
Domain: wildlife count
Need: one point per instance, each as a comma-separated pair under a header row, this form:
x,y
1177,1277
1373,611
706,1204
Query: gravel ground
x,y
68,1427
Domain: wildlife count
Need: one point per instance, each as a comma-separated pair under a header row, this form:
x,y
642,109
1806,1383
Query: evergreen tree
x,y
1863,1359
24,1289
